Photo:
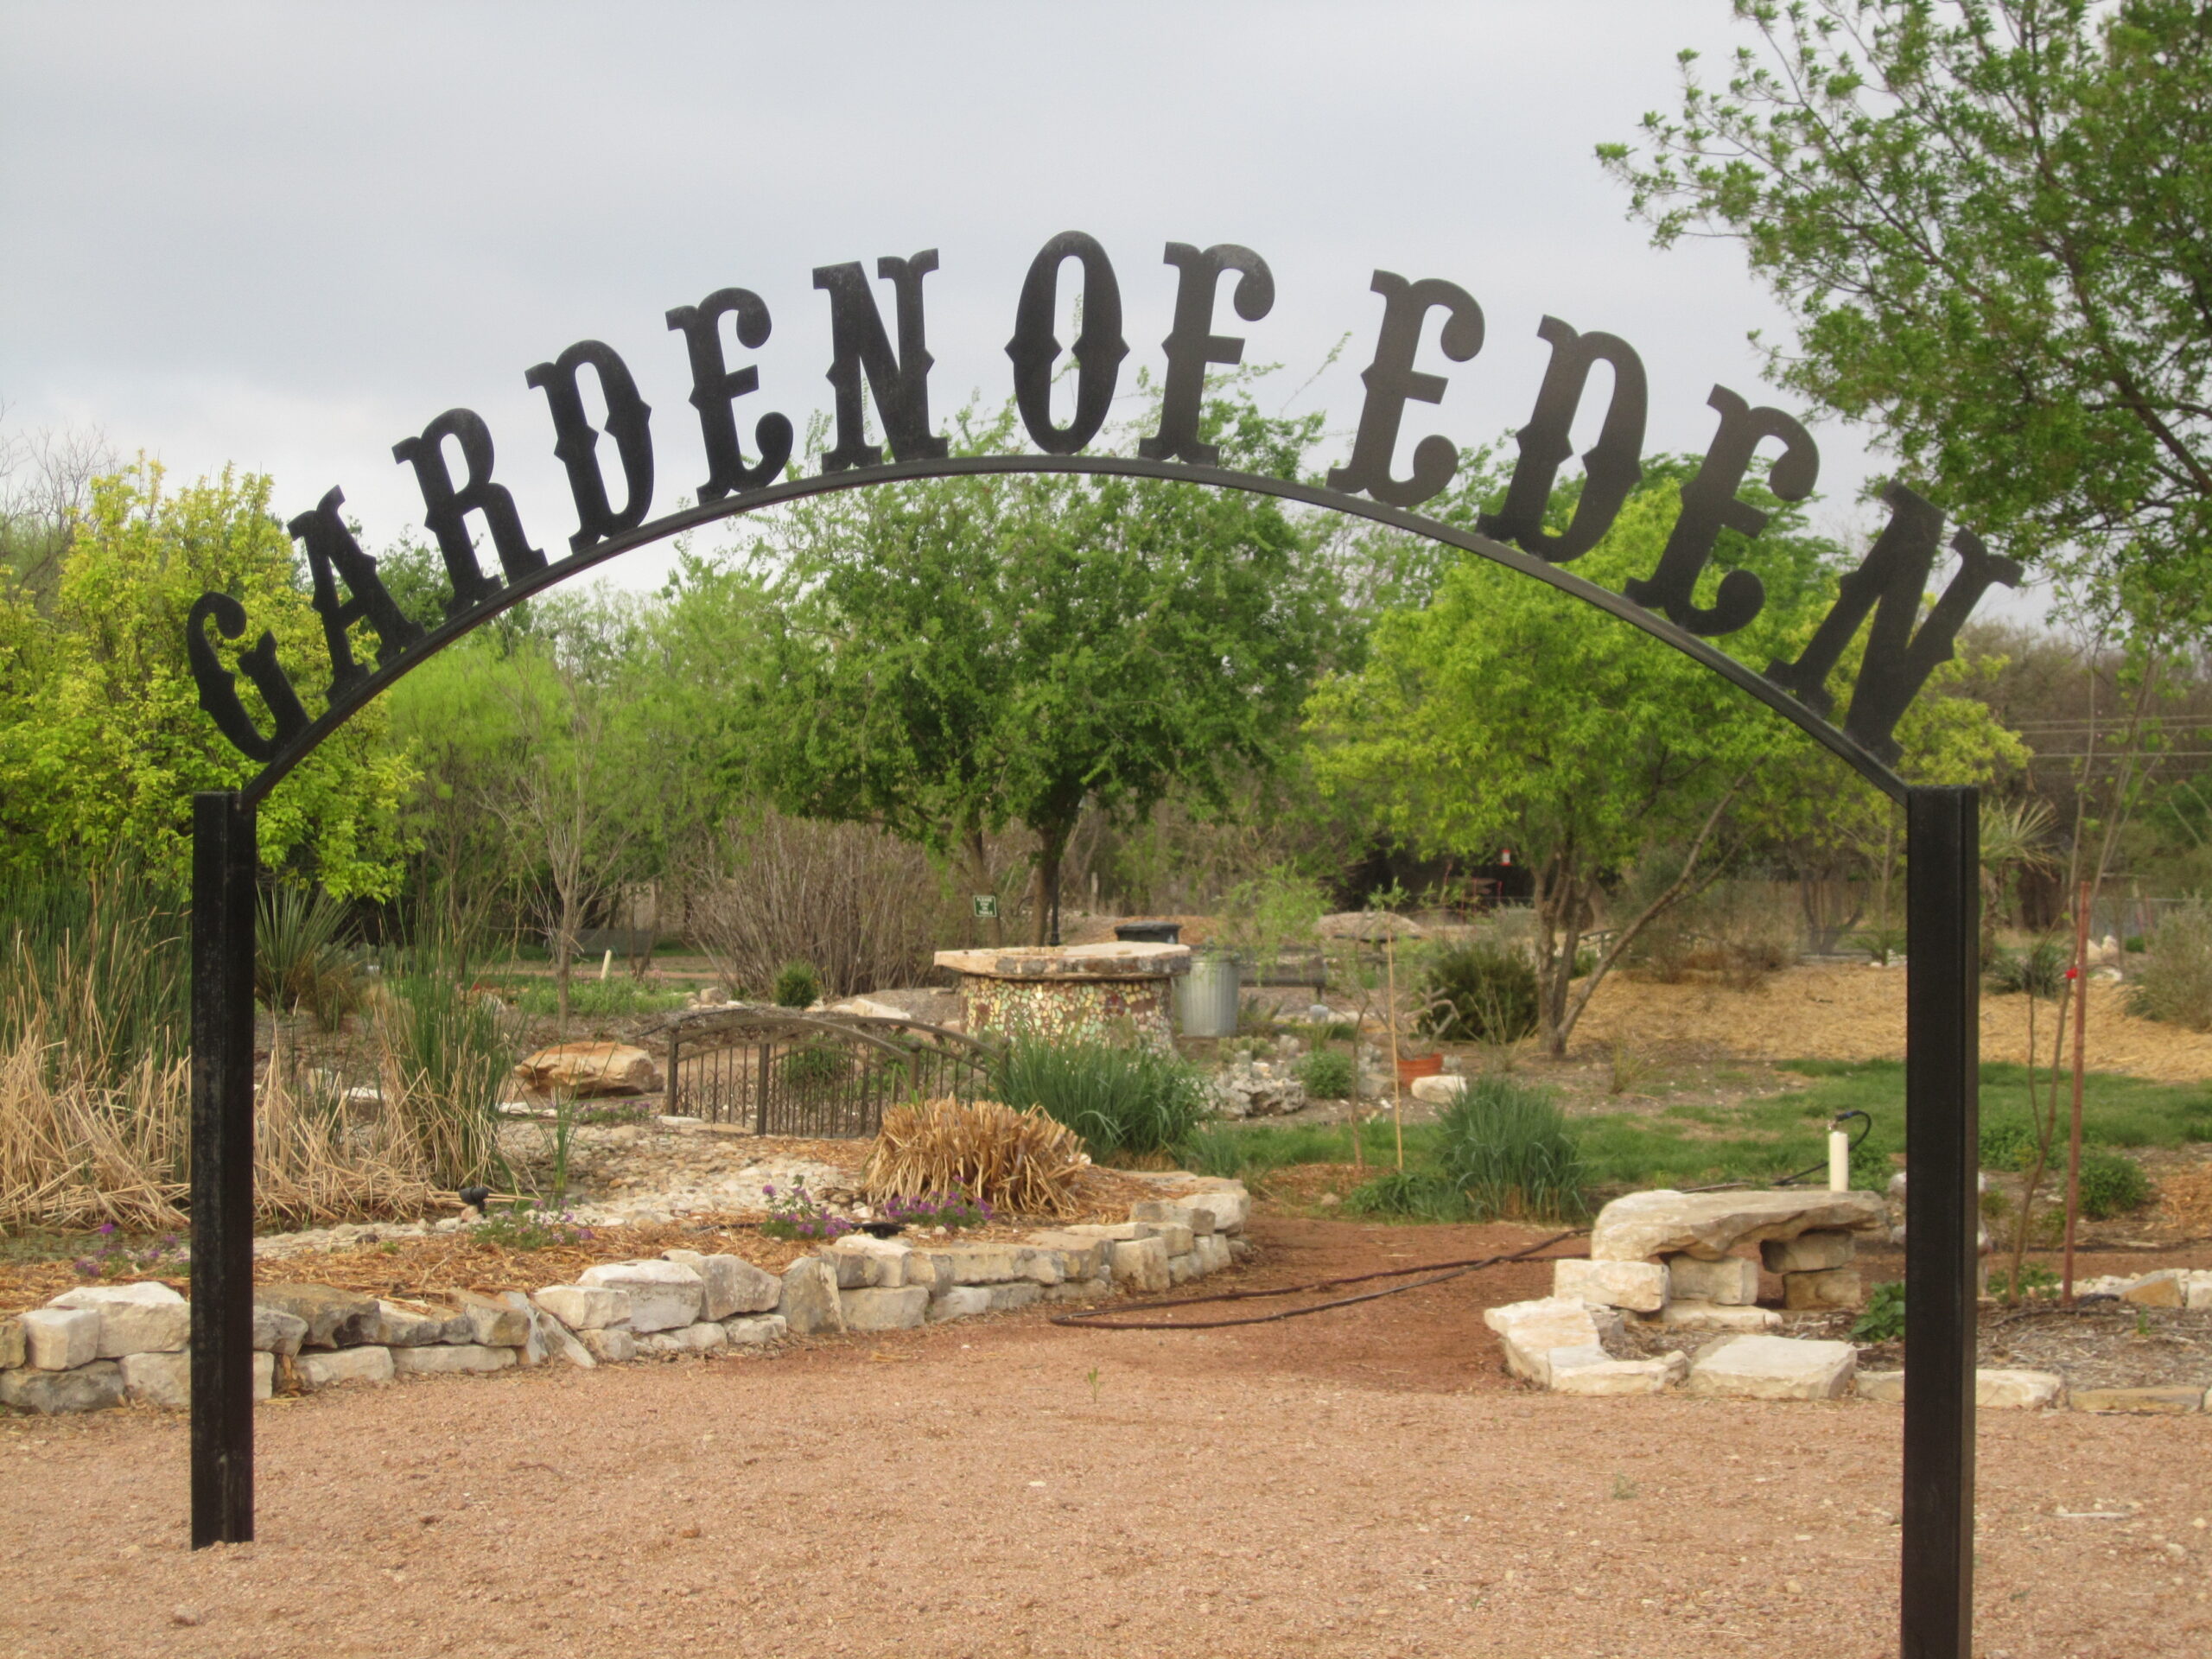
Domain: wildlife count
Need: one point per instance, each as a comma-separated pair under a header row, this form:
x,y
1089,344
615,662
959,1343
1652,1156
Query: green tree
x,y
102,739
943,658
1992,222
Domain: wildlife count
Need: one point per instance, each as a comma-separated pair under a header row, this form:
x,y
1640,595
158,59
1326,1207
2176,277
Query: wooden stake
x,y
2073,1131
1397,1088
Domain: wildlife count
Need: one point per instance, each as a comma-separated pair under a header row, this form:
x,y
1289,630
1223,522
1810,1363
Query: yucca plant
x,y
300,955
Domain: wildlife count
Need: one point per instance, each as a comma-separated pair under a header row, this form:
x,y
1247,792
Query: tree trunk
x,y
1051,848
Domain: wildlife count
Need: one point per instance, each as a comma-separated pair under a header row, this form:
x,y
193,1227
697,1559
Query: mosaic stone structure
x,y
1115,993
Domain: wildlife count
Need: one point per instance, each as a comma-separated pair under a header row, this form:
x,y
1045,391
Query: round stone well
x,y
1111,992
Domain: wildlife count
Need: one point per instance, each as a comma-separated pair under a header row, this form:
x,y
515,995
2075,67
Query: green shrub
x,y
797,987
1412,1195
1126,1102
1328,1074
818,1065
2176,983
2039,970
1884,1319
2007,1143
1510,1149
2112,1184
1477,993
2034,1278
300,958
2135,945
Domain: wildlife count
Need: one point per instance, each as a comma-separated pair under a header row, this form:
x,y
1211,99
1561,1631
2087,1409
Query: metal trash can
x,y
1206,997
1149,932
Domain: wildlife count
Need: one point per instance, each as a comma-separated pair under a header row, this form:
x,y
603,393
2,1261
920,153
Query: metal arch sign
x,y
890,365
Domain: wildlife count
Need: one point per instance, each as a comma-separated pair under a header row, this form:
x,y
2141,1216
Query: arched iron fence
x,y
827,1076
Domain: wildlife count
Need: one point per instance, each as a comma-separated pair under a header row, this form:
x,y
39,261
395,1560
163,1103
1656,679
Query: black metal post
x,y
1943,1157
223,863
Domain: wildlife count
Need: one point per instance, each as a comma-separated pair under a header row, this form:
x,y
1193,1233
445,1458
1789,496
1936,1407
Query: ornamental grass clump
x,y
1019,1163
1509,1148
1125,1102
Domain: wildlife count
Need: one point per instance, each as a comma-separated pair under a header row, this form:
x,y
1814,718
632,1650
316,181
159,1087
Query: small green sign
x,y
987,904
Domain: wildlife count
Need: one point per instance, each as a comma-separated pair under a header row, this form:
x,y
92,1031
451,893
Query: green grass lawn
x,y
1758,1140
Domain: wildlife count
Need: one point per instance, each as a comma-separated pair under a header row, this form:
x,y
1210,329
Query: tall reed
x,y
1511,1150
444,1051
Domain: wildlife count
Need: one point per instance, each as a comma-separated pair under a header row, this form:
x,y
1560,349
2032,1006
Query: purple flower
x,y
105,1228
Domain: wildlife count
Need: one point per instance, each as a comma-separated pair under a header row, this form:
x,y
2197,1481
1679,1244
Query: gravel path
x,y
1362,1482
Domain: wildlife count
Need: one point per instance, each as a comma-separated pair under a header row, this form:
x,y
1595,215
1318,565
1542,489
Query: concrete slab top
x,y
1115,959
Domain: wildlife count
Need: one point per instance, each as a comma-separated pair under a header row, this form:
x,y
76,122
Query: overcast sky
x,y
289,236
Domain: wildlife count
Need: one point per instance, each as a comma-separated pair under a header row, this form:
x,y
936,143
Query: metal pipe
x,y
223,860
1943,1146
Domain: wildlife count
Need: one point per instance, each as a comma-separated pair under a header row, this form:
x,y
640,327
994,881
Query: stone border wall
x,y
101,1345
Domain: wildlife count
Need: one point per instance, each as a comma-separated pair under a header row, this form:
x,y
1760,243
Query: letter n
x,y
1889,583
901,384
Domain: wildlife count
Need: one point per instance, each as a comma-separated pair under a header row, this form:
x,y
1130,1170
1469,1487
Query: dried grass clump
x,y
1019,1163
75,1153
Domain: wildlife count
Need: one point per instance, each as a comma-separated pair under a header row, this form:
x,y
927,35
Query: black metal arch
x,y
1942,1036
1784,701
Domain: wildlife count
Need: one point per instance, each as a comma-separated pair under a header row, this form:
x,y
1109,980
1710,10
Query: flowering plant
x,y
526,1227
951,1211
798,1214
115,1258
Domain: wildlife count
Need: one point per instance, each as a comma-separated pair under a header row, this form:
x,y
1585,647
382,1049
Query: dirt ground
x,y
1365,1482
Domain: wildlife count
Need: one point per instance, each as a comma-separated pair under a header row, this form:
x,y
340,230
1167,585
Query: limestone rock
x,y
705,1337
414,1325
61,1339
336,1319
493,1321
318,1370
732,1284
1250,1088
275,1332
1020,1293
93,1387
1530,1331
980,1264
809,1299
1811,1252
1610,1376
2016,1390
863,1262
1212,1251
1887,1387
142,1319
853,1270
1181,1269
1716,1316
961,1302
1140,1264
1773,1367
753,1332
663,1295
1837,1288
884,1309
1732,1281
2200,1290
1079,1290
2157,1401
159,1379
13,1349
1197,1217
589,1069
444,1359
1080,1256
1640,1286
585,1308
1643,1226
2168,1287
612,1345
1230,1205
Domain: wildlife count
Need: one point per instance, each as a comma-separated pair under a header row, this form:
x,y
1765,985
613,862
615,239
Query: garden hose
x,y
1440,1271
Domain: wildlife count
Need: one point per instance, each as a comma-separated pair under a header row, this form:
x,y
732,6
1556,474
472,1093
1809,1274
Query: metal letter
x,y
900,384
334,557
1192,344
218,694
1611,468
1099,349
1392,381
716,386
1889,582
224,857
445,508
628,417
1710,506
1942,1071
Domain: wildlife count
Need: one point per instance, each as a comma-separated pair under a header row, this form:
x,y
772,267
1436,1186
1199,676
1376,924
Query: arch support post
x,y
223,860
1942,1218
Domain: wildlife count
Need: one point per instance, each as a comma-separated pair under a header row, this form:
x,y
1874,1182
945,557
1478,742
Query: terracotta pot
x,y
1419,1066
